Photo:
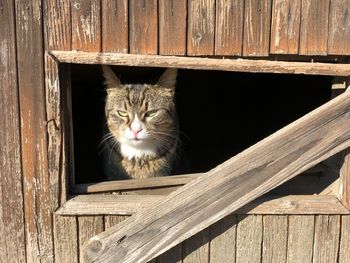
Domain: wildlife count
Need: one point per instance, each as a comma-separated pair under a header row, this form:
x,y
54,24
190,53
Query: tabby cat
x,y
141,137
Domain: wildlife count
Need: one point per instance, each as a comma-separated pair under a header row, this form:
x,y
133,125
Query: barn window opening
x,y
220,113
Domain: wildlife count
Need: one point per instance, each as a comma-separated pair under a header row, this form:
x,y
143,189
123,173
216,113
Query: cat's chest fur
x,y
135,163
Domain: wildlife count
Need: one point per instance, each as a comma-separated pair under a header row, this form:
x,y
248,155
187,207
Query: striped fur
x,y
153,151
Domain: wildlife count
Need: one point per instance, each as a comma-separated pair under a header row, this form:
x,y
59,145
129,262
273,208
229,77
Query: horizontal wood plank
x,y
108,204
239,65
113,204
228,187
119,185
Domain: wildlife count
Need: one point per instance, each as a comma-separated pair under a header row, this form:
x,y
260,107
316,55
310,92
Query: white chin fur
x,y
137,149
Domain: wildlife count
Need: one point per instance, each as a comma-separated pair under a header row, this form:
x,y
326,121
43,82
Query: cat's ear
x,y
111,79
168,79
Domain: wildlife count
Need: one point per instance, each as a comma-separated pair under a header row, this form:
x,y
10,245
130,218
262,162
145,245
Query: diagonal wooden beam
x,y
202,202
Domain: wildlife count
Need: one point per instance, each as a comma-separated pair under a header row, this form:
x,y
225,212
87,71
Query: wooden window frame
x,y
151,191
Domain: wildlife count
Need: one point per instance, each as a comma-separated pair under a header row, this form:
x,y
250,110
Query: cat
x,y
141,138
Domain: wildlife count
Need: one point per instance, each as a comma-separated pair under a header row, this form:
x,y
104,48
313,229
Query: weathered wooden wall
x,y
32,148
236,238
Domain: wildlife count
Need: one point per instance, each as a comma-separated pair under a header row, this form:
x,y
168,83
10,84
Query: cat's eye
x,y
122,113
151,113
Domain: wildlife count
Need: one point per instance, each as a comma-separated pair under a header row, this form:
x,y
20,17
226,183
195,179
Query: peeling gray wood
x,y
274,248
249,238
326,240
12,237
300,238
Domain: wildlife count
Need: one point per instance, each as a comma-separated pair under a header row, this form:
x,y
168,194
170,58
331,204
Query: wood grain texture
x,y
300,238
249,238
344,249
314,27
295,204
130,204
67,163
115,34
344,183
38,196
110,221
339,27
143,22
57,25
108,204
274,248
201,27
172,27
229,27
326,240
12,237
57,35
66,239
239,65
202,202
256,36
196,248
223,240
88,227
86,25
175,180
285,27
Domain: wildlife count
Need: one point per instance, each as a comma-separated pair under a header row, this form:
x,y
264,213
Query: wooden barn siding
x,y
236,238
210,27
31,95
12,231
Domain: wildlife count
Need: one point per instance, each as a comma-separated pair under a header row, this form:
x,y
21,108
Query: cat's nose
x,y
136,127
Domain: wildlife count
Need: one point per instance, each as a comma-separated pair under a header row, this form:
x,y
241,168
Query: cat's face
x,y
141,117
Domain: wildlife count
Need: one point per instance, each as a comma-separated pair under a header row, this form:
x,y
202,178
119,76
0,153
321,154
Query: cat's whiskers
x,y
167,143
105,138
111,151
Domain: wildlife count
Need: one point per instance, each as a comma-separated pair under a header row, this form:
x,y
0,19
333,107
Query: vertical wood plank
x,y
86,25
229,27
66,239
223,240
115,26
344,250
274,238
201,27
67,166
285,27
57,26
172,27
339,28
143,23
88,226
12,237
249,238
196,248
57,37
314,27
344,183
326,240
256,34
38,196
300,238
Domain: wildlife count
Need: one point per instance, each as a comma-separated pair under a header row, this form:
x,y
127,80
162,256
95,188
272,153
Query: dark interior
x,y
221,113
